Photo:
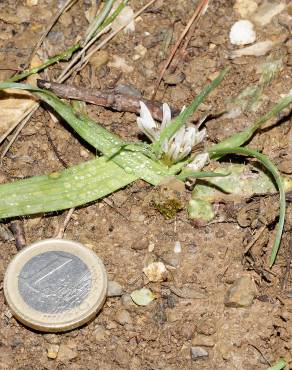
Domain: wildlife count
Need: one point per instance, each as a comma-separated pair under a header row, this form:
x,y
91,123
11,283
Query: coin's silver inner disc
x,y
54,282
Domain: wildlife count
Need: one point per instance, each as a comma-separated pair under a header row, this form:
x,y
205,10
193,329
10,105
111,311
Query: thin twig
x,y
254,239
66,73
110,98
21,126
183,51
64,225
200,8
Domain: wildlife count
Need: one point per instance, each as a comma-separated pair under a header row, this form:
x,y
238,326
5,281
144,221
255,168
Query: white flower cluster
x,y
180,145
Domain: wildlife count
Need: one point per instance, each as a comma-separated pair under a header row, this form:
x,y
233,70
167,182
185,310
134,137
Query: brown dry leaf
x,y
14,106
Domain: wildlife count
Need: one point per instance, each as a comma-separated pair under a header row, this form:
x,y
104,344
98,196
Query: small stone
x,y
151,247
140,51
172,259
245,7
84,153
155,271
121,64
173,316
241,293
99,333
52,351
110,325
198,353
66,353
128,89
123,317
114,289
140,243
127,301
32,2
242,33
174,78
99,59
177,247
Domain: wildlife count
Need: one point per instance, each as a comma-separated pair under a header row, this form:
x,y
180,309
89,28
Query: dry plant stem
x,y
64,8
183,51
109,98
63,226
85,60
200,8
255,238
69,70
21,126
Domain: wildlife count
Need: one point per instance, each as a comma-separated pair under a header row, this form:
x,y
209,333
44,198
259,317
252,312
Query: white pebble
x,y
242,33
177,247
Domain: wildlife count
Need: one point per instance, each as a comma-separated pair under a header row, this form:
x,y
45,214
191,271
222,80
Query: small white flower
x,y
199,162
180,144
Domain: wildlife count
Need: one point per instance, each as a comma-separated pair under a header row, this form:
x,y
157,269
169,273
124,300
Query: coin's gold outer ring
x,y
72,318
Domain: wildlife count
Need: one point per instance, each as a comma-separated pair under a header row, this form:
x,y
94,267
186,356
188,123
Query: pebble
x,y
123,317
99,59
198,353
114,289
174,78
140,51
66,353
172,259
242,33
155,271
52,351
241,293
128,89
140,243
99,333
127,301
177,247
121,64
245,7
32,2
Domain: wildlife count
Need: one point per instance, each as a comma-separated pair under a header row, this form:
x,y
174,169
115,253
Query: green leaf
x,y
63,56
142,297
72,187
242,137
135,163
278,366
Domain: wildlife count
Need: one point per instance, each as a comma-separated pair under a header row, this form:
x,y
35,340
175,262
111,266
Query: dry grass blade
x,y
86,58
201,8
23,121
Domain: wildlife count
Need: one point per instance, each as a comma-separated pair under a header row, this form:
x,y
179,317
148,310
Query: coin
x,y
55,285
